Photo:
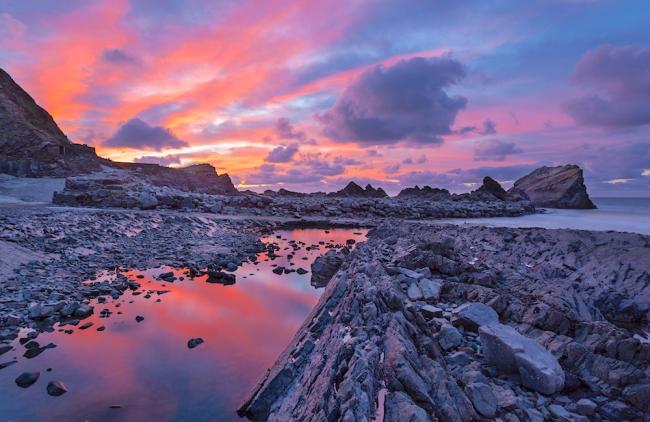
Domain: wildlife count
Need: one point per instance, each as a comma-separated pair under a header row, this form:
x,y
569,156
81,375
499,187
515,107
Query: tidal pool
x,y
144,371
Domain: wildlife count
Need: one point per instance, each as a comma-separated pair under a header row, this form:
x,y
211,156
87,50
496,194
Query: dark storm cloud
x,y
495,150
618,79
282,154
137,134
404,102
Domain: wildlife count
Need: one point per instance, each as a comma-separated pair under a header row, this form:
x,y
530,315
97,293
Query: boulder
x,y
474,315
512,352
325,266
554,187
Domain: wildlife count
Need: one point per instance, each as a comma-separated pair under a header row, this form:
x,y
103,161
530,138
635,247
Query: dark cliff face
x,y
555,187
31,143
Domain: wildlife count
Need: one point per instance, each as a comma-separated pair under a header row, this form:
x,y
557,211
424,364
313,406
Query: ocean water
x,y
618,214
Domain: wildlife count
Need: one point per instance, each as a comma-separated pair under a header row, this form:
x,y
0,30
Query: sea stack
x,y
555,187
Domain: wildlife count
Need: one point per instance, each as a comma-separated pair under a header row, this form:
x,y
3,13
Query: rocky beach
x,y
414,320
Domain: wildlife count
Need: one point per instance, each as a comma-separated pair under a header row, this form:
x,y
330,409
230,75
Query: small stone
x,y
139,318
414,292
56,388
483,398
449,337
430,311
86,326
26,379
192,343
586,407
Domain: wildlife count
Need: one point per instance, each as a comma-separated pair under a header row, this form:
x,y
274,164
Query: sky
x,y
307,95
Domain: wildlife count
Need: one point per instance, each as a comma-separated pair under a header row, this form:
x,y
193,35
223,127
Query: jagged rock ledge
x,y
469,323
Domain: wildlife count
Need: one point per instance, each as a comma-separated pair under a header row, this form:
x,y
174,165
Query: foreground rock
x,y
563,346
555,187
511,352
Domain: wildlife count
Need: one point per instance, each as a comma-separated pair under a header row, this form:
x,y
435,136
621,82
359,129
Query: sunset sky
x,y
308,95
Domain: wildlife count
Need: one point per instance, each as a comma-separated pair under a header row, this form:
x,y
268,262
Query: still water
x,y
618,214
144,371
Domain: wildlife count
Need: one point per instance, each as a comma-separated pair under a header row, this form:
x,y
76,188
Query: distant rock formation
x,y
201,178
426,192
284,192
31,143
352,189
491,190
555,187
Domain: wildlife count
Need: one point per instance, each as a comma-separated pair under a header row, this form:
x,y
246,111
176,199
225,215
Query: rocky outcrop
x,y
548,305
555,187
31,143
200,178
490,189
354,190
434,194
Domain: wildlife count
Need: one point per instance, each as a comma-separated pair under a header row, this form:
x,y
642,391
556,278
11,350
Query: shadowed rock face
x,y
555,187
31,143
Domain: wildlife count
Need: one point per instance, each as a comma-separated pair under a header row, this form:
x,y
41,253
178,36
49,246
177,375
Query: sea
x,y
618,214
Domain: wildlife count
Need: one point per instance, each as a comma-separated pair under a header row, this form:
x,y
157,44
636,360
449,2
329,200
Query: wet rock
x,y
83,311
56,388
474,315
325,266
139,318
483,398
511,352
86,326
194,342
26,379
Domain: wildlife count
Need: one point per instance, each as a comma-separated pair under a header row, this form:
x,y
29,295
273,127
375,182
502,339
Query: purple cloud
x,y
282,154
137,134
285,130
163,161
404,102
619,78
392,169
495,150
118,56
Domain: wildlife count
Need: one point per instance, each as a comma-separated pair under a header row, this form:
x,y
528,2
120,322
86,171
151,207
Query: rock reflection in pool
x,y
145,371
